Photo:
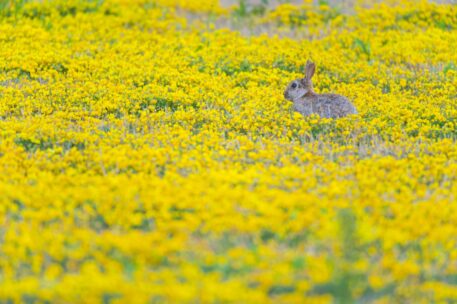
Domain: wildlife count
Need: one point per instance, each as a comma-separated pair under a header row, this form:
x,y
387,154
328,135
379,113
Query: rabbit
x,y
307,102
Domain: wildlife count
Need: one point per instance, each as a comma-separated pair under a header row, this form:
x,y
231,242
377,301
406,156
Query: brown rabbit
x,y
307,102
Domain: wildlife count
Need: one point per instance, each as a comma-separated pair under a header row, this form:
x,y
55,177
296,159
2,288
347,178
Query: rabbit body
x,y
325,105
307,102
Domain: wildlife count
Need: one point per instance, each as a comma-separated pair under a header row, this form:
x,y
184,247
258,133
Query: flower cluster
x,y
148,157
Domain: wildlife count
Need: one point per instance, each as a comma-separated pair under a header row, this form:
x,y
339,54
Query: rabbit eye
x,y
294,85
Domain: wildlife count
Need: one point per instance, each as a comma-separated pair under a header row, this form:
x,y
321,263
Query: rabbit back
x,y
333,106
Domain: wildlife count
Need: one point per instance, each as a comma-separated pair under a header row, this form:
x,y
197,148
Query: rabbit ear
x,y
310,69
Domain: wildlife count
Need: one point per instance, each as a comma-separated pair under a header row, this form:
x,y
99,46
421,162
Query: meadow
x,y
147,153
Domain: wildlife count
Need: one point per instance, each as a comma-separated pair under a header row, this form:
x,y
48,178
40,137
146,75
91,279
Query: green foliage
x,y
363,46
246,9
449,67
163,104
11,7
15,8
43,144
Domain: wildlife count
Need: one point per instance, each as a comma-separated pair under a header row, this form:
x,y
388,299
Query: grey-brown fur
x,y
307,102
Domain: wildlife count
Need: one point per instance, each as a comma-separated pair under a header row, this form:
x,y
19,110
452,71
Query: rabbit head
x,y
300,87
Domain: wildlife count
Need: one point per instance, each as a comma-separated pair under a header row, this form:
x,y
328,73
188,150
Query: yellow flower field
x,y
147,153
